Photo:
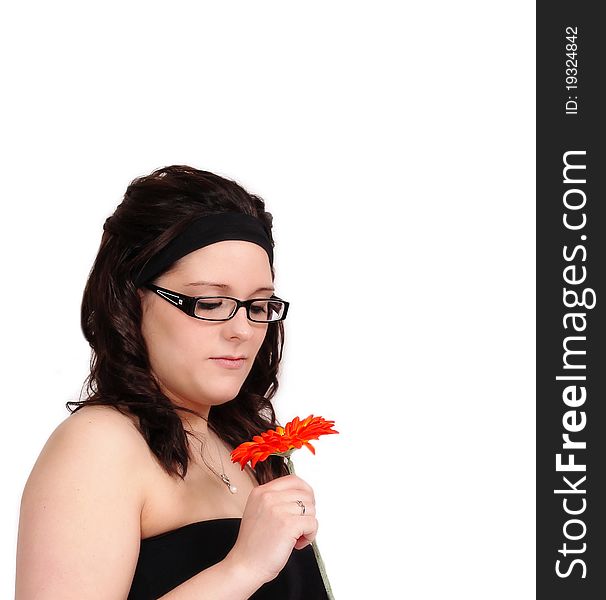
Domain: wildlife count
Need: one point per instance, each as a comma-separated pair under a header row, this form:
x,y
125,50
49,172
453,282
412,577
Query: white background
x,y
394,143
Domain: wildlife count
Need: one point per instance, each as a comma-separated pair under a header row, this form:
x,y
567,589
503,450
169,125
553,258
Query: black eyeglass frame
x,y
187,304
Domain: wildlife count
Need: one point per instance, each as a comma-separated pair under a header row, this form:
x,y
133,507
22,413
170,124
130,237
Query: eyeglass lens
x,y
222,308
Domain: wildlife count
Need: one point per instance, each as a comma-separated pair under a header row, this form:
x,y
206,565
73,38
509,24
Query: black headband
x,y
204,231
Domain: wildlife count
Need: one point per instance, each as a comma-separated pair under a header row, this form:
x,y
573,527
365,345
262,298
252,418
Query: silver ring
x,y
302,506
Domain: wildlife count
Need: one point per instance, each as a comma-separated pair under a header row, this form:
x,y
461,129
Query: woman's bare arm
x,y
80,520
226,580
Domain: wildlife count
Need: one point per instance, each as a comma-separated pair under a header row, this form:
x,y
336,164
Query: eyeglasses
x,y
223,308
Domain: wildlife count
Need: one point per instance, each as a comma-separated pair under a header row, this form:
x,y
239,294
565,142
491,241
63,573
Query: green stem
x,y
314,545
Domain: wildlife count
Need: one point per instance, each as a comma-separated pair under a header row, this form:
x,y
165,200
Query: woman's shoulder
x,y
84,498
90,438
101,416
105,423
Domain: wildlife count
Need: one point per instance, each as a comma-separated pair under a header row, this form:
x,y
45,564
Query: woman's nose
x,y
240,323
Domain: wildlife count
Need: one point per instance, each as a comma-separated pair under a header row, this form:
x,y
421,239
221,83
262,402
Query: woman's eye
x,y
209,305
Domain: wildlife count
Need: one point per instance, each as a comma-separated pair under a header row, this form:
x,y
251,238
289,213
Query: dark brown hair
x,y
155,209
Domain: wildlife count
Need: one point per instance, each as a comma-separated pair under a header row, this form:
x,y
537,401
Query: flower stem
x,y
314,545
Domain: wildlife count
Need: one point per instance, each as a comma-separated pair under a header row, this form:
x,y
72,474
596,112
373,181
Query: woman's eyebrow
x,y
225,286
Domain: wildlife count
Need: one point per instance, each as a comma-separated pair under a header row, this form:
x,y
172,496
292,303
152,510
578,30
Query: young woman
x,y
134,494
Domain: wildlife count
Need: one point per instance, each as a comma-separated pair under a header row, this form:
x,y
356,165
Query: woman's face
x,y
181,347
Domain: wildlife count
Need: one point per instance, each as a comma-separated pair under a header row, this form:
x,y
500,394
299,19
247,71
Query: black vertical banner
x,y
571,301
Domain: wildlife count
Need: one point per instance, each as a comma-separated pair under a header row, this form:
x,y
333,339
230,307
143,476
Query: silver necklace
x,y
230,486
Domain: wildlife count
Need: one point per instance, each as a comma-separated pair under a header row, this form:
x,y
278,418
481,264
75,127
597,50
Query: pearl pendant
x,y
232,488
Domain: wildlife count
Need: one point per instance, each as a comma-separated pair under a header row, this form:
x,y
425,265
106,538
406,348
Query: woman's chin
x,y
222,394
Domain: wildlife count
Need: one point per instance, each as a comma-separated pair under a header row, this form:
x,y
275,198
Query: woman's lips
x,y
229,363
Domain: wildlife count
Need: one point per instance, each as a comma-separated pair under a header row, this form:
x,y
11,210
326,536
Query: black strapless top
x,y
169,559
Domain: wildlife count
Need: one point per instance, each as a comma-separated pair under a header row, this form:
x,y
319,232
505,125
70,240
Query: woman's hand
x,y
272,525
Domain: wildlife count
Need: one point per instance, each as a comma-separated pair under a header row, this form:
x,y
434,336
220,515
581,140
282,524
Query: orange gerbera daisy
x,y
283,440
